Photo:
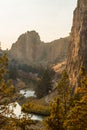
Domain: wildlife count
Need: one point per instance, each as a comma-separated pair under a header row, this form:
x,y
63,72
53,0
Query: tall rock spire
x,y
77,55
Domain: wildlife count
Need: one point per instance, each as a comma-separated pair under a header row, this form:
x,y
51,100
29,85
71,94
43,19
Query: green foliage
x,y
60,106
64,91
45,83
3,66
29,68
6,88
16,124
66,112
22,122
83,76
69,112
13,74
7,91
31,107
77,116
55,120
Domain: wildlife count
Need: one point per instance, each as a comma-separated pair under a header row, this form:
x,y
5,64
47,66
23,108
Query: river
x,y
15,108
28,93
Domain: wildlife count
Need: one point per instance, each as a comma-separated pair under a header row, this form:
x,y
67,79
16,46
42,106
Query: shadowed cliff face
x,y
29,49
77,55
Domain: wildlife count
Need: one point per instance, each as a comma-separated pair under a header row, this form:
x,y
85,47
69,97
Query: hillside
x,y
30,50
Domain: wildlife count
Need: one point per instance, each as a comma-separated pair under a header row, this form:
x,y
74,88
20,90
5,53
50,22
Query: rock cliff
x,y
30,50
77,55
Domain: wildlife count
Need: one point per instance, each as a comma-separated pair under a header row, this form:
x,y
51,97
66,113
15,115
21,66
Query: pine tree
x,y
55,120
45,83
64,91
7,90
77,116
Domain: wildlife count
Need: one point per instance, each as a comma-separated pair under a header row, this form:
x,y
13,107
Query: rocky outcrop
x,y
77,55
30,50
60,67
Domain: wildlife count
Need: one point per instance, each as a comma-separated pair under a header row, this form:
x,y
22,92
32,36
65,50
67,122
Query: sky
x,y
52,19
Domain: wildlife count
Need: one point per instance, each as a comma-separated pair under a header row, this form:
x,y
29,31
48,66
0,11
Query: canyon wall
x,y
77,54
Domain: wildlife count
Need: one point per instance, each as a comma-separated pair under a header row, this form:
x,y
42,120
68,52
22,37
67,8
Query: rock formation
x,y
77,55
30,50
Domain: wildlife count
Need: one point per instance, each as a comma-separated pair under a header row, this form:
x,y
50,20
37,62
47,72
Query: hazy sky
x,y
52,19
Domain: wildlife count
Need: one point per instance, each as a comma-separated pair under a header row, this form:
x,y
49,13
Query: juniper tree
x,y
64,91
55,120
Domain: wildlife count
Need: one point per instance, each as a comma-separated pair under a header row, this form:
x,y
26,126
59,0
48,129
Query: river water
x,y
28,93
15,108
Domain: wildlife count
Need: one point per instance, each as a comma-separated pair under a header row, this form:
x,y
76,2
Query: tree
x,y
45,83
55,120
7,91
77,116
83,80
64,91
6,88
13,74
22,123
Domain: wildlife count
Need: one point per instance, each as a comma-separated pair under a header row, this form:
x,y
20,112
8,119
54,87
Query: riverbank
x,y
36,107
32,104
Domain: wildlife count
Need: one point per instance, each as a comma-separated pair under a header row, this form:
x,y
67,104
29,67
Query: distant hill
x,y
30,50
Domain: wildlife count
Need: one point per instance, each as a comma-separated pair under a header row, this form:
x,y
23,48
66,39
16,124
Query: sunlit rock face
x,y
29,49
77,54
